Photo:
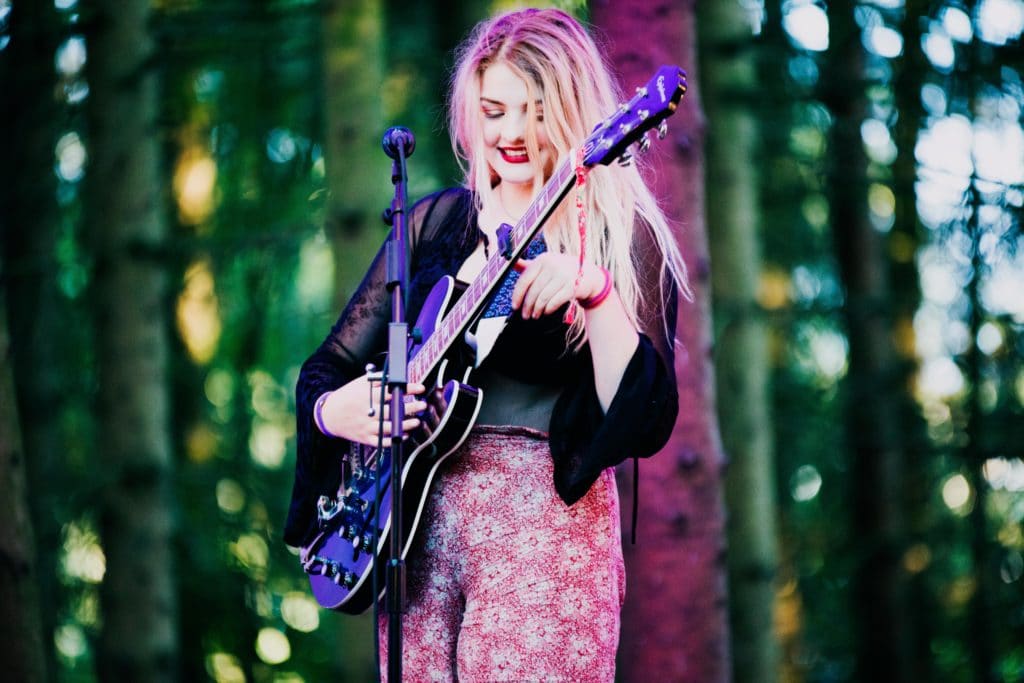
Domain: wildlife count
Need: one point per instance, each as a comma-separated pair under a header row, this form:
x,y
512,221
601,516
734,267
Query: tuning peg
x,y
662,130
644,144
626,159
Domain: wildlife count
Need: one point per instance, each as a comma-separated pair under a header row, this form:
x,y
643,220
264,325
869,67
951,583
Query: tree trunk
x,y
741,359
981,639
911,71
879,602
125,215
674,620
29,112
357,169
21,629
357,182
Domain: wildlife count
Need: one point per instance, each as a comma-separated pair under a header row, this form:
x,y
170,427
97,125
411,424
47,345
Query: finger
x,y
541,284
550,298
408,424
412,389
523,285
410,407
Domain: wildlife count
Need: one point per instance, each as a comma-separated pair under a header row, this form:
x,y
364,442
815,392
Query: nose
x,y
513,127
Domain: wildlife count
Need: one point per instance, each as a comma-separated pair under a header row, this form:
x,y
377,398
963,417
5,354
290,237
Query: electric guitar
x,y
350,538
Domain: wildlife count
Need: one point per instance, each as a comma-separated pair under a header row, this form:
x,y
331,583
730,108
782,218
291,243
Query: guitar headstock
x,y
652,104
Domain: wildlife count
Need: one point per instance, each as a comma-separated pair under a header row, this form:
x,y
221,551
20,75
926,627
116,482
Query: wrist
x,y
600,291
318,415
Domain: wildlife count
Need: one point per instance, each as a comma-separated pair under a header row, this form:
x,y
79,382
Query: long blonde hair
x,y
563,69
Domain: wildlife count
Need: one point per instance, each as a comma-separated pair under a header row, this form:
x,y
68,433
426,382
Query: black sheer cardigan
x,y
528,379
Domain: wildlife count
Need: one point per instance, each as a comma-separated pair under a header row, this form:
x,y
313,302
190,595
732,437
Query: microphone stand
x,y
398,143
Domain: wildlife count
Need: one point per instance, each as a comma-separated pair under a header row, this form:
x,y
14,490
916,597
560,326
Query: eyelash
x,y
497,115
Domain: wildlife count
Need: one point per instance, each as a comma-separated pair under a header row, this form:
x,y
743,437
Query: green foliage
x,y
959,562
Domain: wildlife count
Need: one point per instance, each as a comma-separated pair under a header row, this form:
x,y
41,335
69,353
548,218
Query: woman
x,y
518,570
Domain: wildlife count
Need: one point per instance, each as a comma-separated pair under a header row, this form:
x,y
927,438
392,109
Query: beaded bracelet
x,y
318,415
598,299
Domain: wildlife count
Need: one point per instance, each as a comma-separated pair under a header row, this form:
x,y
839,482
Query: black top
x,y
529,378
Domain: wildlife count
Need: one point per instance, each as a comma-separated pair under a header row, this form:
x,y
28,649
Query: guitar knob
x,y
346,578
364,542
355,505
326,508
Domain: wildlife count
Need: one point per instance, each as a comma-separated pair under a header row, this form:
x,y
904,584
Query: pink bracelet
x,y
318,415
598,299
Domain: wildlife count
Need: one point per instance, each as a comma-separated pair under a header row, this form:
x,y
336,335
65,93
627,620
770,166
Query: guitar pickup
x,y
504,235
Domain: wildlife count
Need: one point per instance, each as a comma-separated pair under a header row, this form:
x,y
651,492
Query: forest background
x,y
190,190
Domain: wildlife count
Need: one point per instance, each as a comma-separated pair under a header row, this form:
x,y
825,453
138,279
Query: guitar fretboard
x,y
469,304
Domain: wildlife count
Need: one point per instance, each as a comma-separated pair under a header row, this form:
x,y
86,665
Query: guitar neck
x,y
465,310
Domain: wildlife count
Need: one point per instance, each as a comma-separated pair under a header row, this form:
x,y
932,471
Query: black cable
x,y
376,519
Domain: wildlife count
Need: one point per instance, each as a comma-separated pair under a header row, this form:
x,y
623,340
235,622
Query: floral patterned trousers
x,y
506,583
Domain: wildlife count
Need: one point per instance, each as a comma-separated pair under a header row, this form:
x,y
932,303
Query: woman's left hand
x,y
546,284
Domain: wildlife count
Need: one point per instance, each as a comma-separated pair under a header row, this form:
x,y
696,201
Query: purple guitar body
x,y
340,558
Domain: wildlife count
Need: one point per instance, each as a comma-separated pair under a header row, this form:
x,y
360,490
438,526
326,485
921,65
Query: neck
x,y
513,199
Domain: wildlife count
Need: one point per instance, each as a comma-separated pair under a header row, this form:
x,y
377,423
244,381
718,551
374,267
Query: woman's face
x,y
503,100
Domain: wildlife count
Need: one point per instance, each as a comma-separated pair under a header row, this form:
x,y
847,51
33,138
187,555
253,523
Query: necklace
x,y
501,204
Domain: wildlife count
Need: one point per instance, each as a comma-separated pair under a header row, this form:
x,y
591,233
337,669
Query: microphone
x,y
398,138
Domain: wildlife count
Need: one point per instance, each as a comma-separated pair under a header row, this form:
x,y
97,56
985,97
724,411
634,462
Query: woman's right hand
x,y
346,412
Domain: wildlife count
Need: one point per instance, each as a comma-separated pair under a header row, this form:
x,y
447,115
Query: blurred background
x,y
192,188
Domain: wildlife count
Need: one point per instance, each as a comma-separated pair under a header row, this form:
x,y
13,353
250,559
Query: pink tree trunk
x,y
675,621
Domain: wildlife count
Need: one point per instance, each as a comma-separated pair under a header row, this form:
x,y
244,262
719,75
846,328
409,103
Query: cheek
x,y
543,141
491,132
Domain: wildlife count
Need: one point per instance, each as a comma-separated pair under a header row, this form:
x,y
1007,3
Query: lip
x,y
521,158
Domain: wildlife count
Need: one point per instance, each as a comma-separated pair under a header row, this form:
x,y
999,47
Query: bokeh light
x,y
956,494
806,24
272,646
805,484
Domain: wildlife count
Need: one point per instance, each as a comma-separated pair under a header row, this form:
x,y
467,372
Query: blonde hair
x,y
563,69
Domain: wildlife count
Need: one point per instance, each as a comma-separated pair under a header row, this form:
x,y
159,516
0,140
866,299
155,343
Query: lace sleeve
x,y
358,336
584,439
